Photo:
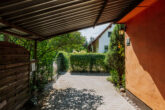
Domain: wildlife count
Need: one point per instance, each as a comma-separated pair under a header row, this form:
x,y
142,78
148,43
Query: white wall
x,y
104,40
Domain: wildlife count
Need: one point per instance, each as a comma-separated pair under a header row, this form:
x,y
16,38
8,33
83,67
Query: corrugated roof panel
x,y
48,18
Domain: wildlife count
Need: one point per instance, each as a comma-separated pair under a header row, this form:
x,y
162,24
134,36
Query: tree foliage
x,y
115,57
47,50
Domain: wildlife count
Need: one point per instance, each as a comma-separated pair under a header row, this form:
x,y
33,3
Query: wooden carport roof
x,y
43,19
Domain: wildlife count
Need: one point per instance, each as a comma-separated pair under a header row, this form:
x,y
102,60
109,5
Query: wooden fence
x,y
14,76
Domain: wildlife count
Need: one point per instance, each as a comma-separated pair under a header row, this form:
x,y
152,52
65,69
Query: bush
x,y
115,77
87,62
123,80
62,61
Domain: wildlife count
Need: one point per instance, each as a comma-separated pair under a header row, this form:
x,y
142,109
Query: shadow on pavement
x,y
72,99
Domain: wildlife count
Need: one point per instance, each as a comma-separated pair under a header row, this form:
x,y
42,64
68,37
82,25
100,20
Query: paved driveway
x,y
84,92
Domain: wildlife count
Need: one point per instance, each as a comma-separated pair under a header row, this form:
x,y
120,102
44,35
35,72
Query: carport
x,y
43,19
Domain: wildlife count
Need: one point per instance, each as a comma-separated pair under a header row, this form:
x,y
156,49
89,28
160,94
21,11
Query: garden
x,y
69,51
113,61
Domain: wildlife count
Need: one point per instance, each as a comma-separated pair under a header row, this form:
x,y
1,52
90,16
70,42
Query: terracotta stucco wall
x,y
145,57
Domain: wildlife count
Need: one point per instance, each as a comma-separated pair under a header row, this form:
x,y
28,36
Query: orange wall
x,y
138,9
145,57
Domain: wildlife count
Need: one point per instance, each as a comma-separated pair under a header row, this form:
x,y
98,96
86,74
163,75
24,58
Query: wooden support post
x,y
6,38
35,57
35,49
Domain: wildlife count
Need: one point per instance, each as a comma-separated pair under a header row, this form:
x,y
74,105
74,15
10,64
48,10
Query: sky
x,y
93,32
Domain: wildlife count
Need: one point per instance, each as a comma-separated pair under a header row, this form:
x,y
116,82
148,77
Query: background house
x,y
101,42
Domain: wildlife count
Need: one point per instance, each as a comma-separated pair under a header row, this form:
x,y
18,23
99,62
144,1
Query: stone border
x,y
136,100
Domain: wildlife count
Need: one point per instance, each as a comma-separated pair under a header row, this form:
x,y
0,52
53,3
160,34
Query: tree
x,y
115,57
47,50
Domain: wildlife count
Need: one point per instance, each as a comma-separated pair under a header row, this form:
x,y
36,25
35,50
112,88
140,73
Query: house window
x,y
109,34
105,48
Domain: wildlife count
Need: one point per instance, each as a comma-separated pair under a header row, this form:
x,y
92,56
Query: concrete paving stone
x,y
85,92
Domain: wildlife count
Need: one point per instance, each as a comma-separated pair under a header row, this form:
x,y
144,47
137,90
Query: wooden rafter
x,y
16,35
101,11
63,21
19,28
5,28
53,9
63,14
54,35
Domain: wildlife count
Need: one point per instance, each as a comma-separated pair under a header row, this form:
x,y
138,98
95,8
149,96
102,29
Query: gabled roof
x,y
109,26
43,19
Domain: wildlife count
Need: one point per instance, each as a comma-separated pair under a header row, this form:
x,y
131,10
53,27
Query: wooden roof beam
x,y
50,29
10,3
66,23
55,9
54,35
101,11
63,23
65,16
33,4
59,21
57,30
16,35
28,35
71,15
48,37
18,28
52,26
63,13
5,28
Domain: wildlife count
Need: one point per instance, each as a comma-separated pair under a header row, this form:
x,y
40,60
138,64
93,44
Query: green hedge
x,y
89,62
62,61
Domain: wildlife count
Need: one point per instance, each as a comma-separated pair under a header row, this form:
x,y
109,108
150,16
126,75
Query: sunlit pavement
x,y
84,92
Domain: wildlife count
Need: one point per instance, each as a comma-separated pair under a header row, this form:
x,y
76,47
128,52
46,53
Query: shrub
x,y
87,62
115,77
109,79
123,80
62,61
